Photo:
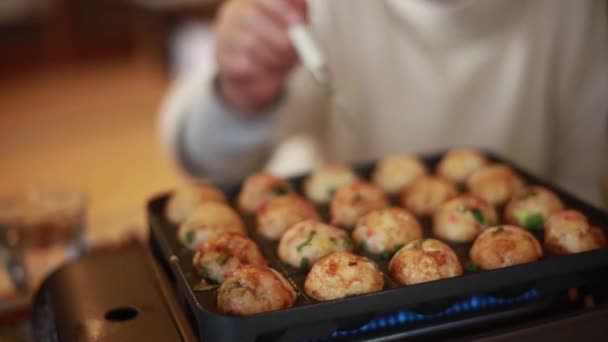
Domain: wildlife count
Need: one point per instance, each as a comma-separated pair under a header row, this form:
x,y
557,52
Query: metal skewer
x,y
314,61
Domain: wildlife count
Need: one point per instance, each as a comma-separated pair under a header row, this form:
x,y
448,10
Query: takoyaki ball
x,y
461,219
355,200
254,289
458,164
259,188
424,260
325,180
495,183
394,174
504,246
306,242
222,254
280,213
426,194
189,196
342,274
569,232
384,231
208,220
530,207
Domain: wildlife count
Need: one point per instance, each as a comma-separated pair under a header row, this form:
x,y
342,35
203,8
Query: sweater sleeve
x,y
206,138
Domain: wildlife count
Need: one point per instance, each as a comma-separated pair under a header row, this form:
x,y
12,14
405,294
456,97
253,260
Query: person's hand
x,y
254,53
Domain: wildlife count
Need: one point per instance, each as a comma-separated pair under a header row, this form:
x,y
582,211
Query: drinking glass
x,y
35,219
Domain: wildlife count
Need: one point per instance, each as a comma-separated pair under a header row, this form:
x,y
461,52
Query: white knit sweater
x,y
525,78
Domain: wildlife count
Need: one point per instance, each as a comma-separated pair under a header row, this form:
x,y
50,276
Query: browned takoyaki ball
x,y
461,219
569,232
306,242
342,274
280,213
426,194
458,164
494,183
325,180
504,246
355,200
259,188
395,173
188,197
424,260
208,220
254,289
531,206
384,231
222,254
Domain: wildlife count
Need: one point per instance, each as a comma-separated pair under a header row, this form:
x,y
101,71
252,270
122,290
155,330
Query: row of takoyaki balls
x,y
225,255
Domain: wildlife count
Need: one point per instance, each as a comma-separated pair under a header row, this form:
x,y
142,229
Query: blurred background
x,y
81,82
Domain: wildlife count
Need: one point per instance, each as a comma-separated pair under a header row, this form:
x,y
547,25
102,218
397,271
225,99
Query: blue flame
x,y
403,318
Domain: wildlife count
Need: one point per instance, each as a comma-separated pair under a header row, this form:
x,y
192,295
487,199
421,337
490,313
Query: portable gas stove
x,y
151,294
126,296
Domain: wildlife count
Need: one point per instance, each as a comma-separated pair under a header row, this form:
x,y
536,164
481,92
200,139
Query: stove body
x,y
127,296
